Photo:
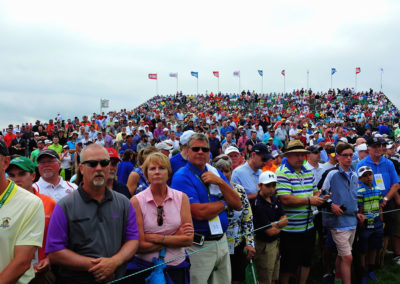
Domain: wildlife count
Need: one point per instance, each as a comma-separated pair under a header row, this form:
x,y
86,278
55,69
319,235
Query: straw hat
x,y
296,146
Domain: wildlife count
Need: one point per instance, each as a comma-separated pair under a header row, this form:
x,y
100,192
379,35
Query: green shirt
x,y
58,148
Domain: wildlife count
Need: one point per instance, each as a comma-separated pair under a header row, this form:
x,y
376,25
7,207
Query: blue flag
x,y
260,72
381,69
195,74
333,71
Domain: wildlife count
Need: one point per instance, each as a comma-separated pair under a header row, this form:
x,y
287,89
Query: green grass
x,y
390,274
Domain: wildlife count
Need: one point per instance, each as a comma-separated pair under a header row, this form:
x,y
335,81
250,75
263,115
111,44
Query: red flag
x,y
216,73
153,76
358,70
283,72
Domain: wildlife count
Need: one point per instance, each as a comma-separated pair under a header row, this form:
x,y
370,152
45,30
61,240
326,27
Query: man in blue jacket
x,y
342,183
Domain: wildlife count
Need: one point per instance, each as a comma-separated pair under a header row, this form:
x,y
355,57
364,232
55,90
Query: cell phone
x,y
198,239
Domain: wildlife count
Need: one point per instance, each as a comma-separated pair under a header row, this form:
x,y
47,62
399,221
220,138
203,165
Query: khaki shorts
x,y
267,261
343,240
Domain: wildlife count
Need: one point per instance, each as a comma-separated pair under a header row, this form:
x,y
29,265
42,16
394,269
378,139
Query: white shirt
x,y
62,189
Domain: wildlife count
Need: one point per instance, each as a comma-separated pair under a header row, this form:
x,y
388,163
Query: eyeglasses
x,y
160,219
346,155
94,163
203,149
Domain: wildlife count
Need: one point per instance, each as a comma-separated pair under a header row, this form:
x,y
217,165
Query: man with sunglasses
x,y
93,230
247,174
50,182
386,179
209,194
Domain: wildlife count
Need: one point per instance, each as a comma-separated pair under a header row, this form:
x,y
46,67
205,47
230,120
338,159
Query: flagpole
x,y
308,74
331,80
156,86
262,84
239,84
381,78
197,85
284,84
177,84
218,83
101,104
356,83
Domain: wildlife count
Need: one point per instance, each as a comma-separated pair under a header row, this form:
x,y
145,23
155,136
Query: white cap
x,y
166,129
141,128
362,170
396,125
267,177
389,145
361,147
36,134
163,146
344,139
231,149
275,153
184,139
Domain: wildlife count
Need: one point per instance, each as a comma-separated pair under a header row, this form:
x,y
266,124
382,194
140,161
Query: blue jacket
x,y
344,192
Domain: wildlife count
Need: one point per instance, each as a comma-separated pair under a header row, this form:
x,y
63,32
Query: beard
x,y
99,179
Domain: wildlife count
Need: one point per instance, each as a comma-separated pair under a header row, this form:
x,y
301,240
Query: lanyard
x,y
7,193
252,175
205,186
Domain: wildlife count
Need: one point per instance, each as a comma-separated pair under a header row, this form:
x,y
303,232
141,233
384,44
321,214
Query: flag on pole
x,y
283,72
236,73
260,72
381,69
153,76
216,73
358,70
105,103
194,74
174,75
333,71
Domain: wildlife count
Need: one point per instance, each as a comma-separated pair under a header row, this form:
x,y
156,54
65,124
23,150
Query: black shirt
x,y
264,213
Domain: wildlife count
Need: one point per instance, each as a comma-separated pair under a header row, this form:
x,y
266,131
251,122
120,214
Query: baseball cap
x,y
276,153
3,148
184,139
166,129
374,141
113,153
262,150
36,134
315,149
163,146
24,163
267,177
48,152
364,169
361,147
320,140
231,149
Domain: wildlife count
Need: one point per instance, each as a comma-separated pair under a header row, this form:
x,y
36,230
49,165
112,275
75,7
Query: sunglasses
x,y
160,219
203,149
94,163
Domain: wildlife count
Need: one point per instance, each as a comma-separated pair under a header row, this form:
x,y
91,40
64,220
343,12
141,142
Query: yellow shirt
x,y
21,224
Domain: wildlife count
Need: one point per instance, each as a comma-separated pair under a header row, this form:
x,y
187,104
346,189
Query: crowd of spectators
x,y
228,165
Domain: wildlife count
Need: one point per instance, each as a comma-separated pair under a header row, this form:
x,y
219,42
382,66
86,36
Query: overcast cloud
x,y
65,57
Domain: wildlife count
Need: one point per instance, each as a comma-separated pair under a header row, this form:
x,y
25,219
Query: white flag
x,y
105,103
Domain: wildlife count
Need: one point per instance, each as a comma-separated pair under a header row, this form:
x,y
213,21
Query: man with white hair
x,y
362,152
179,160
50,182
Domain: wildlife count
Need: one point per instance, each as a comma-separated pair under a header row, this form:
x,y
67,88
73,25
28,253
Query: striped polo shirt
x,y
369,198
299,184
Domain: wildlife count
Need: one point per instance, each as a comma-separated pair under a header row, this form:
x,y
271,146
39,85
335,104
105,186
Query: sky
x,y
64,56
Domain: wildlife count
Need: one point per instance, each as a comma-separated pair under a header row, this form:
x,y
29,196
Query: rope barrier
x,y
314,212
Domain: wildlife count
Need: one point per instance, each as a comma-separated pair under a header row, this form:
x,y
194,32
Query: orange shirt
x,y
48,204
272,168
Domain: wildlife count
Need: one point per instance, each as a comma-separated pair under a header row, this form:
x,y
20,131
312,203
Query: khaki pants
x,y
211,265
267,261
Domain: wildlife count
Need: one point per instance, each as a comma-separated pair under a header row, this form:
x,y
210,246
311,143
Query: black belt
x,y
213,237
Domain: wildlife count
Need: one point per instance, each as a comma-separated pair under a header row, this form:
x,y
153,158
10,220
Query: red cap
x,y
113,153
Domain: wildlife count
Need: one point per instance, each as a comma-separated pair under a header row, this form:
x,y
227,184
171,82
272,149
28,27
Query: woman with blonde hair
x,y
136,179
164,222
